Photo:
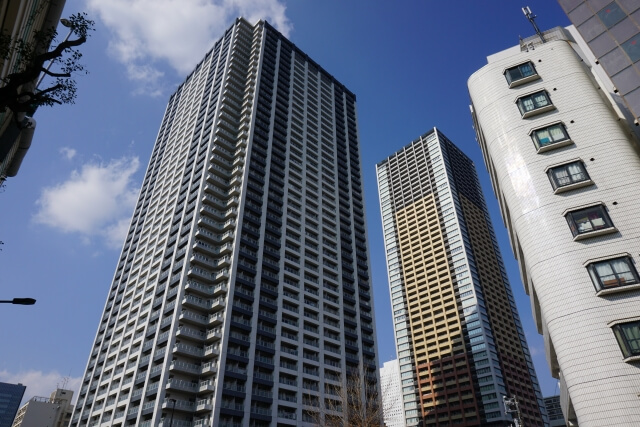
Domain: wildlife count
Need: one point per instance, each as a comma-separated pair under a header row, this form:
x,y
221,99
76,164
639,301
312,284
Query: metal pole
x,y
172,411
67,24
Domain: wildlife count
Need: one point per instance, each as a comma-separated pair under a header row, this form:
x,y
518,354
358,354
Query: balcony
x,y
209,368
206,386
178,405
212,350
189,368
190,333
216,319
188,350
204,405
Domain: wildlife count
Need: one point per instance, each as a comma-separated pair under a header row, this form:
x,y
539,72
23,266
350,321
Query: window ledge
x,y
573,186
631,359
591,234
538,111
617,289
553,146
525,80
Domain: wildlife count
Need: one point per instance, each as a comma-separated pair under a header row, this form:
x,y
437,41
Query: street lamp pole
x,y
69,25
19,301
172,411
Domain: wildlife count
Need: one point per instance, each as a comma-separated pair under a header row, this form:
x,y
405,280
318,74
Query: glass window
x,y
613,273
564,175
520,72
611,14
587,220
536,101
549,135
632,47
628,336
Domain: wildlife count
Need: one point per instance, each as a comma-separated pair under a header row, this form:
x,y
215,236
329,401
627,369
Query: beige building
x,y
461,347
52,411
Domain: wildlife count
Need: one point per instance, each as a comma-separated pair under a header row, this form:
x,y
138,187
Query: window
x,y
550,137
586,222
568,176
613,273
535,103
611,14
632,47
628,336
521,74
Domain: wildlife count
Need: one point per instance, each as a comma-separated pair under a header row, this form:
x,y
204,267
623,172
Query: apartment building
x,y
243,293
460,343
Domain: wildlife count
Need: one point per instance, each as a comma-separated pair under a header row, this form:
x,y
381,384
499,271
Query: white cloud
x,y
96,201
68,153
146,33
40,383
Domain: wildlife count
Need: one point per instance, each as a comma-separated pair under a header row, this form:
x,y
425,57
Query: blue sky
x,y
64,215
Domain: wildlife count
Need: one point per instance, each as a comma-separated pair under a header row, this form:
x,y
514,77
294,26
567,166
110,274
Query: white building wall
x,y
391,394
603,388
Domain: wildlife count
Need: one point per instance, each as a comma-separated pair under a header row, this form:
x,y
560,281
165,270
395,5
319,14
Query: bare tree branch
x,y
356,404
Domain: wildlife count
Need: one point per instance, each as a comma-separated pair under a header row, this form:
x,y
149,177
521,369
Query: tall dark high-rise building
x,y
242,296
10,398
460,343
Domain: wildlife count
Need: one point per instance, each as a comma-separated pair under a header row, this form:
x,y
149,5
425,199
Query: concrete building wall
x,y
54,411
599,383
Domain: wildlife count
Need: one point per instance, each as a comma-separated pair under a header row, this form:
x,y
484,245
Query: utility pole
x,y
512,407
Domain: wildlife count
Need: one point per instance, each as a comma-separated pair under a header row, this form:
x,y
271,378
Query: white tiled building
x,y
567,176
391,394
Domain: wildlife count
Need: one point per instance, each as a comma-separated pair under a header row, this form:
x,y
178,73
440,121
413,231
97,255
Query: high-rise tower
x,y
242,296
565,170
460,344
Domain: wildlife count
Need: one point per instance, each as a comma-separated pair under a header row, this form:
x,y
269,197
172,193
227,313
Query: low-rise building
x,y
52,411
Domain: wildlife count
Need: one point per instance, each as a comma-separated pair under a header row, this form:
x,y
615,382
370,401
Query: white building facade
x,y
242,296
391,394
566,174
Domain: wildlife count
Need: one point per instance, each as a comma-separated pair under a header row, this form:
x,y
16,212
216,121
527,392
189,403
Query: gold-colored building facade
x,y
460,344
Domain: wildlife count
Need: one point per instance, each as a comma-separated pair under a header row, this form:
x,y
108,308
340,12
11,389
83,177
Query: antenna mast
x,y
532,18
512,407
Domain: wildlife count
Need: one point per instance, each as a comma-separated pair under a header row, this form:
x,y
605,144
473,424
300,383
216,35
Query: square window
x,y
568,176
628,336
586,221
611,14
613,273
535,103
521,74
632,47
550,137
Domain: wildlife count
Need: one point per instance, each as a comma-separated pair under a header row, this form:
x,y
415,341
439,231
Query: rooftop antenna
x,y
512,406
532,18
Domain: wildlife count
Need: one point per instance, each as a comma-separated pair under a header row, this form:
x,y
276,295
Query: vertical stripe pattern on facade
x,y
459,339
243,292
